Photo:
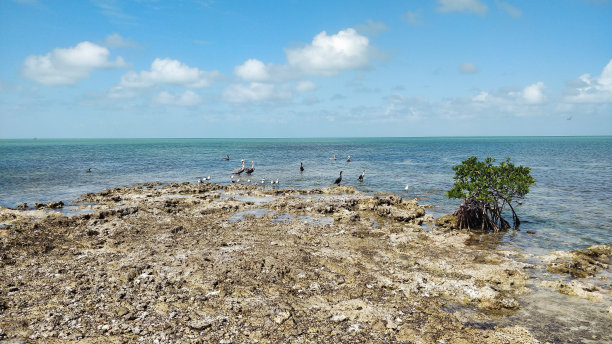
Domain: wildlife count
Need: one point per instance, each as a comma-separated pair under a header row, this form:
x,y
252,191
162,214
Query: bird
x,y
348,158
88,170
263,180
239,169
333,157
232,179
301,167
361,176
251,169
276,181
226,158
406,188
208,178
339,179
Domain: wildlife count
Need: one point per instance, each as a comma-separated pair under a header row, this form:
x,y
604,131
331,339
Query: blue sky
x,y
106,68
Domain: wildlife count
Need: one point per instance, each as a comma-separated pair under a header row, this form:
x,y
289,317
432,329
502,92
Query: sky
x,y
191,69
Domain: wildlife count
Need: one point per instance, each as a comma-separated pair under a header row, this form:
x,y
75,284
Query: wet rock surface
x,y
174,263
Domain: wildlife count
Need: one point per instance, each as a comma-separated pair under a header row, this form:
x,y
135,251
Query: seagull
x,y
333,158
263,180
251,169
348,158
339,179
406,188
226,158
276,181
239,169
301,167
208,178
232,179
361,176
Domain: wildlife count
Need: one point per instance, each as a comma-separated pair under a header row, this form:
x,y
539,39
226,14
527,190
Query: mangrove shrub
x,y
485,190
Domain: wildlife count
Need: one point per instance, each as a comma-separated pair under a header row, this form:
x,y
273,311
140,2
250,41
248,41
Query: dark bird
x,y
251,169
88,170
339,179
301,167
361,176
226,158
239,169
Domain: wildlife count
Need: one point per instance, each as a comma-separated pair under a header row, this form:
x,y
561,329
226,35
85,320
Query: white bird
x,y
333,158
248,180
263,180
406,188
361,176
276,182
208,178
348,158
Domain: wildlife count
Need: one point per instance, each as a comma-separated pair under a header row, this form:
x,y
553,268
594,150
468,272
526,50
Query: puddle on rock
x,y
240,215
305,218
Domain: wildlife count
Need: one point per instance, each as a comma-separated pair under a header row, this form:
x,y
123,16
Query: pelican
x,y
339,179
301,167
251,169
239,169
361,176
333,158
226,158
348,158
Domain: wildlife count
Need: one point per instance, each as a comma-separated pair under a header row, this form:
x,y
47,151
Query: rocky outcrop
x,y
238,263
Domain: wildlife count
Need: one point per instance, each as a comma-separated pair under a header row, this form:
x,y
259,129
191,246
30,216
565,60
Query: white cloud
x,y
255,92
371,27
474,6
67,66
327,55
169,71
305,86
587,89
116,41
511,10
252,70
468,68
413,17
188,98
534,94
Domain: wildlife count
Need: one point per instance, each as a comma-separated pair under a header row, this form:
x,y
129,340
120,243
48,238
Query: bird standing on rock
x,y
239,169
361,176
339,179
251,169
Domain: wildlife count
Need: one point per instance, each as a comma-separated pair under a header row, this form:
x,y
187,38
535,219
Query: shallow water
x,y
569,206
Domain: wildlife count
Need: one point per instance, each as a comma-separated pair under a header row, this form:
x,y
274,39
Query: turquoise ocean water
x,y
569,207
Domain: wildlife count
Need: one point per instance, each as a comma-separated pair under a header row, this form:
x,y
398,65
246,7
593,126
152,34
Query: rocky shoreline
x,y
246,264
